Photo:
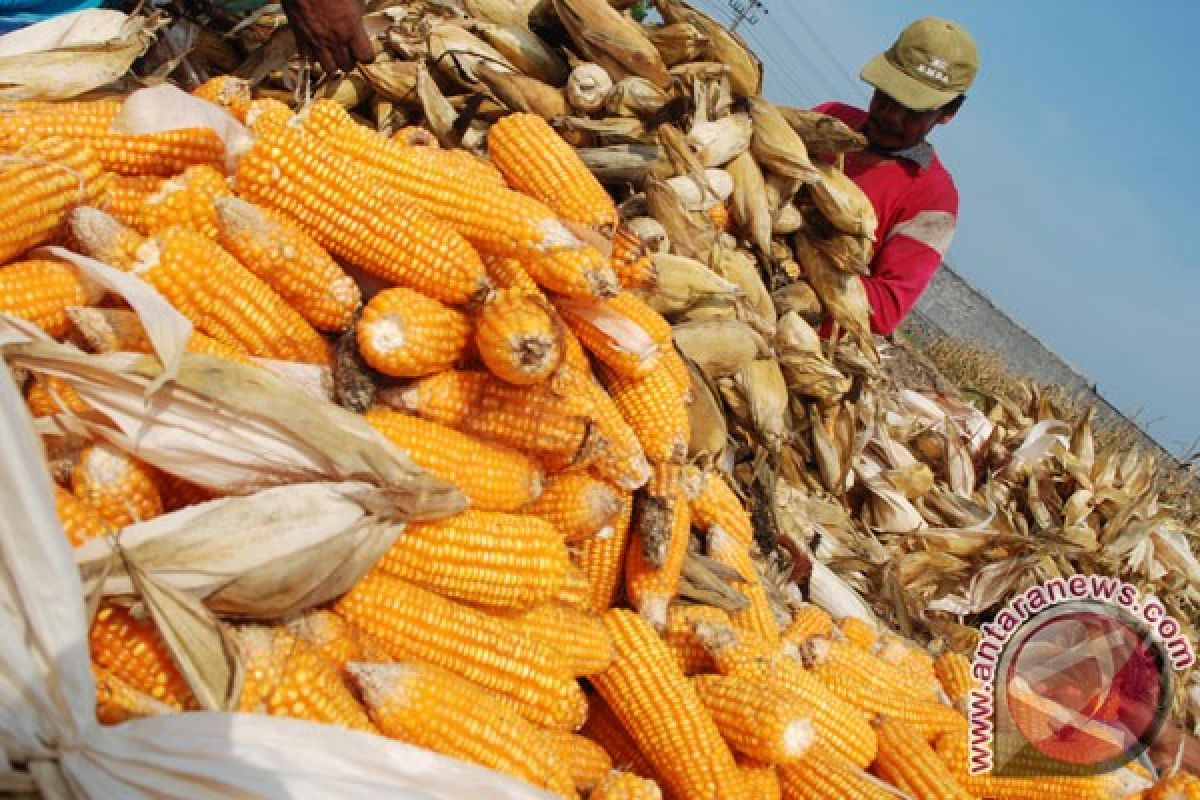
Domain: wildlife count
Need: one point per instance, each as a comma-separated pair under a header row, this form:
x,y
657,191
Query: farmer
x,y
920,82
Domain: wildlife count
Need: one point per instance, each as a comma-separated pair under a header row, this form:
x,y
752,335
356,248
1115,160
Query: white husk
x,y
621,332
588,86
650,232
167,107
719,142
683,282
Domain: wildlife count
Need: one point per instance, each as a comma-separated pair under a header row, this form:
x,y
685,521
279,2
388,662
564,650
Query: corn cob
x,y
613,332
761,780
493,478
766,723
577,505
809,620
132,650
823,775
654,408
587,762
840,726
229,303
872,686
186,200
81,521
573,269
266,115
575,592
690,653
228,92
758,619
951,748
534,159
549,420
577,635
364,224
954,675
602,558
98,114
626,786
415,624
126,194
858,632
661,711
104,237
429,707
123,489
110,330
911,661
674,366
631,262
41,291
715,505
117,701
718,214
293,679
623,462
337,640
650,589
403,333
519,337
907,761
1181,786
507,272
603,728
483,558
49,395
574,356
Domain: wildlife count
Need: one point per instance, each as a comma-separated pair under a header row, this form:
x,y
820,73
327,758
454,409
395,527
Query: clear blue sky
x,y
1077,187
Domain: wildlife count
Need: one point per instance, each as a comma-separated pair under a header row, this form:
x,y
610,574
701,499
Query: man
x,y
920,82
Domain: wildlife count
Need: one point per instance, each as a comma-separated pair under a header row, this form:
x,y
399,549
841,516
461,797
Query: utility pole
x,y
744,11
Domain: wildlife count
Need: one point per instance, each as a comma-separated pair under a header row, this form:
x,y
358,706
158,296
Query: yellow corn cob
x,y
623,462
577,505
716,505
840,726
631,262
908,762
124,200
822,775
49,395
294,680
41,291
650,589
654,408
573,269
951,748
228,92
602,558
266,115
537,161
718,213
406,334
416,136
105,237
507,272
176,493
550,420
132,650
603,728
416,624
123,489
909,660
337,640
575,592
432,708
1182,786
626,786
577,635
519,337
621,341
809,620
760,780
574,356
758,618
492,477
186,200
40,182
872,686
690,653
661,711
356,220
766,723
82,113
587,762
81,521
673,363
117,701
225,300
111,330
858,632
954,675
141,183
484,558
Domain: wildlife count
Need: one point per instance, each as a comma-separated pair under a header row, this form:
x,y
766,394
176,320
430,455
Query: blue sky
x,y
1077,187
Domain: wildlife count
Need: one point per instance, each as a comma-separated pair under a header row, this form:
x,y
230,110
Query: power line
x,y
744,11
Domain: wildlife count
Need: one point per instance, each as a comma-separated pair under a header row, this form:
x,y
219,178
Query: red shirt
x,y
917,209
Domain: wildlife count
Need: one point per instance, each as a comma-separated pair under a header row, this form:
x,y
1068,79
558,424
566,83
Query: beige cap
x,y
932,62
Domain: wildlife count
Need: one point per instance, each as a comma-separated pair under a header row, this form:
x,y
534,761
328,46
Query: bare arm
x,y
330,32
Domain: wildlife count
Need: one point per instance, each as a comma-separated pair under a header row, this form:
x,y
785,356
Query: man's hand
x,y
330,32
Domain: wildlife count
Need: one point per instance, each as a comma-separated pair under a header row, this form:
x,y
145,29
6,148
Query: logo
x,y
1075,677
935,69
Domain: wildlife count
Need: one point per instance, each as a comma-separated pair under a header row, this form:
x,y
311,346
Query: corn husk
x,y
439,113
740,268
522,93
609,130
167,107
679,154
612,40
588,87
393,80
889,508
348,92
706,420
684,282
776,146
457,53
750,206
842,295
757,395
624,164
621,333
651,233
717,188
525,51
846,252
635,97
498,12
721,141
678,43
823,134
843,203
804,365
720,348
799,297
691,233
723,47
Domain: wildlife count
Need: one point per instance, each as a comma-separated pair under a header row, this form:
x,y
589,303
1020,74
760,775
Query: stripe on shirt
x,y
934,229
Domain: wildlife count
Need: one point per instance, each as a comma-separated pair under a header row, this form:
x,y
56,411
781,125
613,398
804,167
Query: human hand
x,y
330,32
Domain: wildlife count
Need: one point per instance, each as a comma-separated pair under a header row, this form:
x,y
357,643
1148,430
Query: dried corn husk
x,y
610,130
707,423
350,91
723,47
621,334
844,251
393,80
522,93
823,134
890,510
678,43
635,97
697,197
751,209
457,53
720,348
683,282
439,113
805,367
721,141
738,267
679,154
588,87
776,146
843,203
799,297
498,12
612,40
651,233
624,164
526,51
690,233
842,295
758,397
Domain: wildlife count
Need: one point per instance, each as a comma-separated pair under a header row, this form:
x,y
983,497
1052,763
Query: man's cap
x,y
932,62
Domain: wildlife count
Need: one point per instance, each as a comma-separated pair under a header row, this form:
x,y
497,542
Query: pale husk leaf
x,y
776,146
843,203
761,390
622,163
620,332
890,509
612,40
167,107
721,141
723,47
526,51
522,93
822,133
751,209
392,80
740,268
719,348
798,297
635,97
498,12
690,233
678,43
709,431
842,295
458,53
846,252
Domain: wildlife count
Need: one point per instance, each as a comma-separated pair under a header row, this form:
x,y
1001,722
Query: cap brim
x,y
908,92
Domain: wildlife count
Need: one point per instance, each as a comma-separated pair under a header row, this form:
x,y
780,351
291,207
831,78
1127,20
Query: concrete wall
x,y
952,307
